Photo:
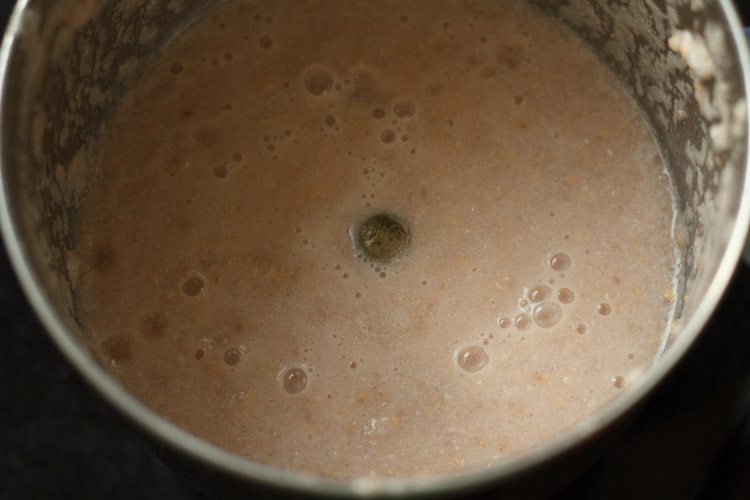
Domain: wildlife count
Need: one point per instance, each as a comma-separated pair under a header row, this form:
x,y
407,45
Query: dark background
x,y
58,439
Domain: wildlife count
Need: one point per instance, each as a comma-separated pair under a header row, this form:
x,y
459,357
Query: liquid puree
x,y
230,283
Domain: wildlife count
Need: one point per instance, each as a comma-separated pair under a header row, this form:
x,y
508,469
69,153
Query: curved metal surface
x,y
213,456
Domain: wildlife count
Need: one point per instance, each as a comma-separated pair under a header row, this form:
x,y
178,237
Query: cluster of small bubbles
x,y
265,42
547,314
537,306
604,309
293,380
192,286
472,358
618,381
231,356
522,321
565,295
318,80
581,328
559,262
539,293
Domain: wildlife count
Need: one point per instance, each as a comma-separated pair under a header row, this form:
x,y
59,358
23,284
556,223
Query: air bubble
x,y
404,108
294,380
318,80
503,322
559,262
581,328
539,293
378,113
176,68
330,121
522,321
604,309
547,314
472,358
388,136
265,42
618,381
232,356
220,171
192,286
200,353
565,295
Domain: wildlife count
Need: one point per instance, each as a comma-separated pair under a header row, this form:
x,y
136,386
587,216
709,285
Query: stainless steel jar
x,y
63,66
